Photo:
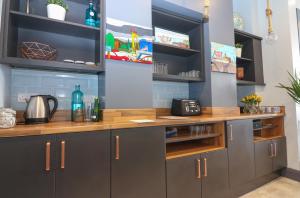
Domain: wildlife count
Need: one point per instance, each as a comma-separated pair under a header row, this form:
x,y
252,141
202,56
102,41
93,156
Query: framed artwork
x,y
298,23
171,38
128,42
223,58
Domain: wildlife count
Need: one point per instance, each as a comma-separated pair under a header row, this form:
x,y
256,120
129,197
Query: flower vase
x,y
251,109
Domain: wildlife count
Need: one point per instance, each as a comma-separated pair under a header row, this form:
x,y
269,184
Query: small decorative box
x,y
7,118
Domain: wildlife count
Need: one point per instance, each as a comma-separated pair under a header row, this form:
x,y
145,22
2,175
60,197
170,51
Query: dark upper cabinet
x,y
240,152
215,174
23,167
263,158
184,177
280,154
258,62
138,163
83,168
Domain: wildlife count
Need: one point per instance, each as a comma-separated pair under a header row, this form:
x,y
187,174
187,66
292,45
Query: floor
x,y
279,188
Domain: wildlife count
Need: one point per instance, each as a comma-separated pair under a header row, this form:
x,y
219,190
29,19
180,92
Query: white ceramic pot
x,y
56,12
238,52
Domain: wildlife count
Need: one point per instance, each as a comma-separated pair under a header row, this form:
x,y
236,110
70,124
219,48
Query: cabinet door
x,y
138,163
280,158
184,177
240,152
263,158
23,172
215,174
86,171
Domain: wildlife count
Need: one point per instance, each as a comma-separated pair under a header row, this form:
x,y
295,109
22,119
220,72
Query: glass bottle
x,y
96,111
91,15
77,105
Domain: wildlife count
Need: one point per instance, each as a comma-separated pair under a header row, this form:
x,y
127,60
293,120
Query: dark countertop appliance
x,y
183,107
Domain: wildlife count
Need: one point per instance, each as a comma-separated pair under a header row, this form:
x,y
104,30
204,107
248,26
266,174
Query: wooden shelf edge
x,y
262,139
187,153
189,138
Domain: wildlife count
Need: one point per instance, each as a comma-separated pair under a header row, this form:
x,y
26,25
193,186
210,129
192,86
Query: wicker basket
x,y
35,50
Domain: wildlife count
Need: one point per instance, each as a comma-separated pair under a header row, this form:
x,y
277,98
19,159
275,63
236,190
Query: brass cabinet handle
x,y
271,149
198,169
48,157
117,147
275,149
231,132
205,167
63,154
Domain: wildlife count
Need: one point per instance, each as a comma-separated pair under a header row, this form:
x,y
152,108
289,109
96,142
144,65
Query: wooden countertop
x,y
71,127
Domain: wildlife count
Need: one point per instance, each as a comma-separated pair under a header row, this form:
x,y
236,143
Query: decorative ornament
x,y
238,21
272,36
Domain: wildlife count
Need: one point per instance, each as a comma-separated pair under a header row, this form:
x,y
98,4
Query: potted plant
x,y
251,102
238,48
293,89
56,9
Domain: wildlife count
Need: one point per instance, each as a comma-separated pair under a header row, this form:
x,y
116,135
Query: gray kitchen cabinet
x,y
240,152
24,169
215,180
270,156
184,177
83,165
74,165
280,154
195,176
138,163
263,158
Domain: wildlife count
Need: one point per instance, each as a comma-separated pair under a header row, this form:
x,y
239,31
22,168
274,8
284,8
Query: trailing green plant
x,y
59,2
239,45
293,89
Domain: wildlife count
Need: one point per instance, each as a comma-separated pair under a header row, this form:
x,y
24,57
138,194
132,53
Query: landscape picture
x,y
128,42
223,58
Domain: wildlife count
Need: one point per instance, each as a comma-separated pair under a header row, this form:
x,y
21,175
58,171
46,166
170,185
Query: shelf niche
x,y
71,38
178,59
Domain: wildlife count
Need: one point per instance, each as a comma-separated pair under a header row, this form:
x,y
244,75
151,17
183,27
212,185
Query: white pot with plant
x,y
57,9
238,48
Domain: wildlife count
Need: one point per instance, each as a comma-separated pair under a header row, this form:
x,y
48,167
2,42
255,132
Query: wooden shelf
x,y
183,138
175,78
261,139
266,127
52,65
190,150
170,49
245,83
46,24
244,59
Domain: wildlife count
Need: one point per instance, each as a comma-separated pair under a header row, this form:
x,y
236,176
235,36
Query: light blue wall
x,y
57,84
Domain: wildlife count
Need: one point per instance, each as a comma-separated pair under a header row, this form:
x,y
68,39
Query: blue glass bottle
x,y
77,105
91,15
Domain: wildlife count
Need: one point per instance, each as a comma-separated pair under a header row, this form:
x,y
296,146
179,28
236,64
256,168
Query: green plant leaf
x,y
293,90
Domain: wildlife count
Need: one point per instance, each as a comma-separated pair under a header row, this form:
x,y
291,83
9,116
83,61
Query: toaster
x,y
183,107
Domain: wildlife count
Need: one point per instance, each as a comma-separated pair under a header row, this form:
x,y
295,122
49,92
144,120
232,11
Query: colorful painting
x,y
223,58
171,38
128,42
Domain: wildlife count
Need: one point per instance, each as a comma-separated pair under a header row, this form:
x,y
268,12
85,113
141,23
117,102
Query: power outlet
x,y
23,97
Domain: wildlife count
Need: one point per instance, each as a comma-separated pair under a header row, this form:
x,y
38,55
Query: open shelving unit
x,y
178,59
189,142
251,60
268,129
71,38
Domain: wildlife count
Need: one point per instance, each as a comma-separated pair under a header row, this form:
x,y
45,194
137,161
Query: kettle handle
x,y
55,105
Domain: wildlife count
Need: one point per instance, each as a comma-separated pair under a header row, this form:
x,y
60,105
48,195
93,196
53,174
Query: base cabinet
x,y
73,165
204,175
138,163
240,154
23,168
270,156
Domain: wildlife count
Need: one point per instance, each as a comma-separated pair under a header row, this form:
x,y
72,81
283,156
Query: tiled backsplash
x,y
61,85
164,92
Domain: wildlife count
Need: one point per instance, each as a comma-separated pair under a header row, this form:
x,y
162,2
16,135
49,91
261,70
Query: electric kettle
x,y
38,109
